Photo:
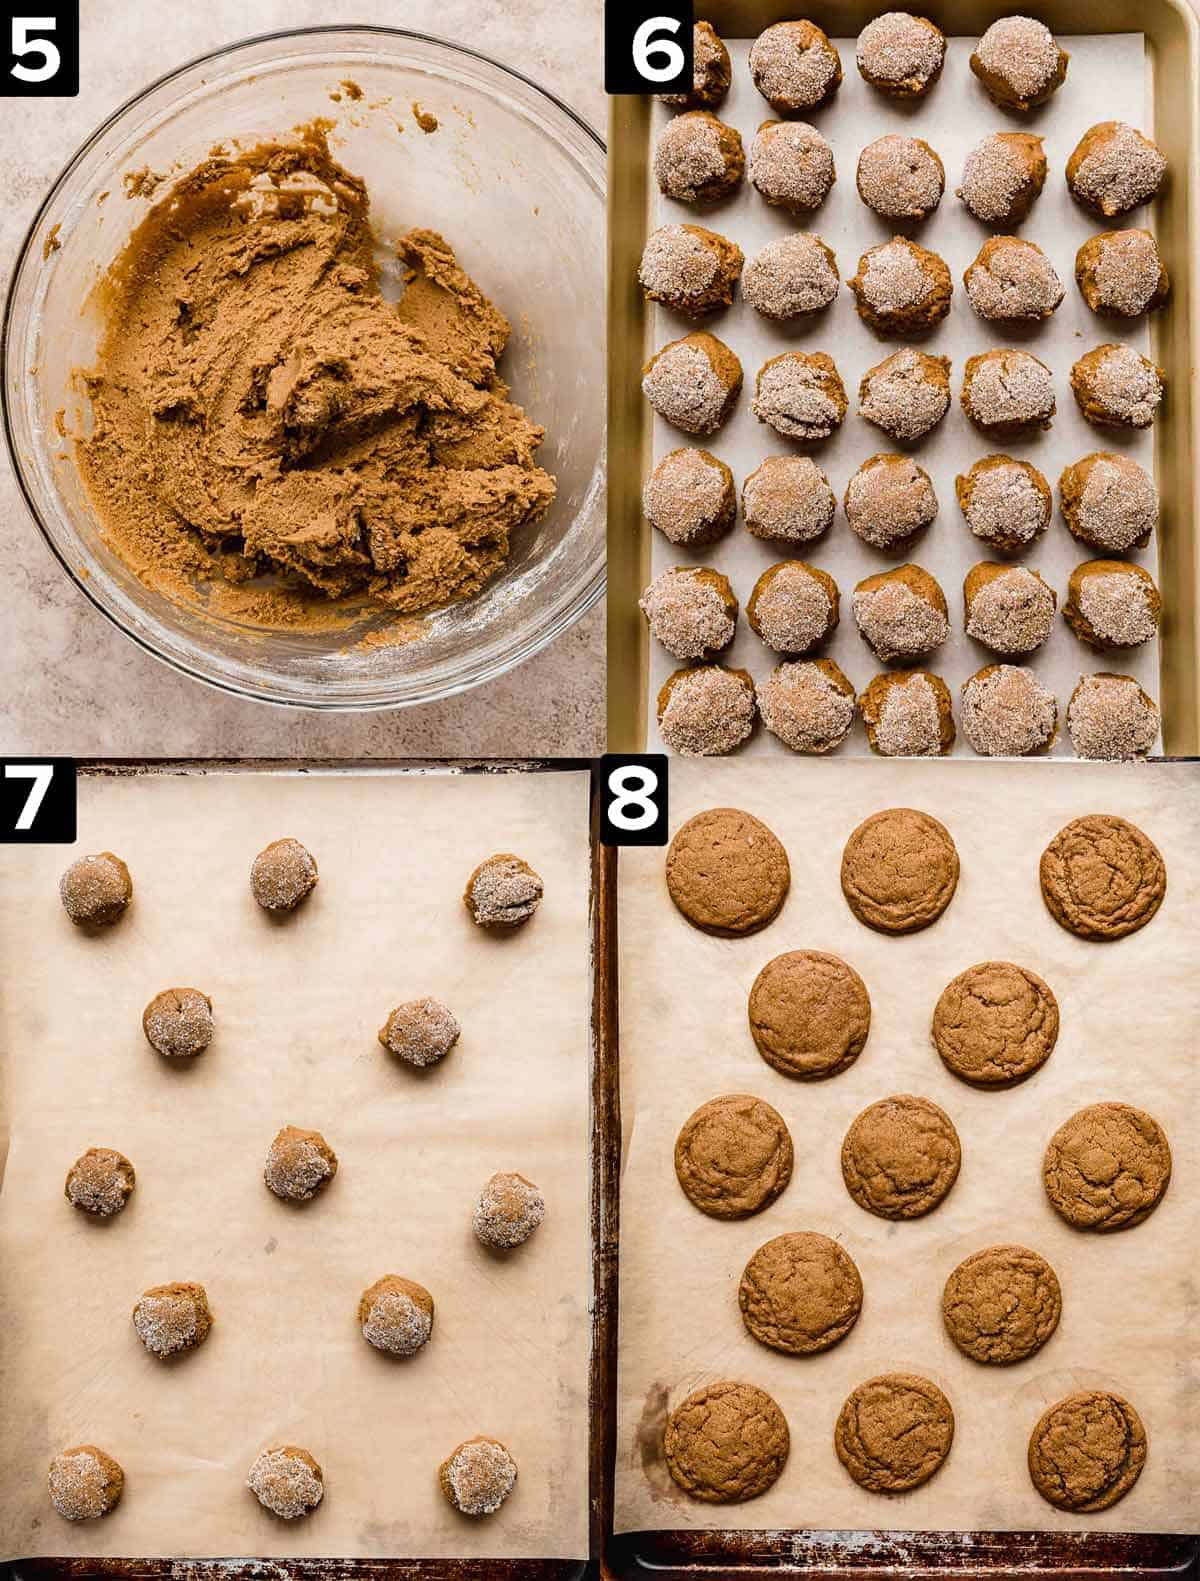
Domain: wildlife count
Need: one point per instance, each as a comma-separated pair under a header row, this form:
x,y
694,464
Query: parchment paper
x,y
1107,79
1129,1013
297,1008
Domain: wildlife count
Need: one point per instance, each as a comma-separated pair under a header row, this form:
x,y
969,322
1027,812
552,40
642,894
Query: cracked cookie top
x,y
995,1024
726,872
809,1014
894,1432
1087,1451
733,1156
1002,1304
1107,1167
900,1157
726,1443
899,870
800,1293
1102,878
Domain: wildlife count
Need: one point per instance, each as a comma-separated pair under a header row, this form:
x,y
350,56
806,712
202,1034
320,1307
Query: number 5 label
x,y
633,798
43,49
648,48
37,801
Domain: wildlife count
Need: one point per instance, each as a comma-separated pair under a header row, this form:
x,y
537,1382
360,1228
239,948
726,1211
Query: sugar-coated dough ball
x,y
171,1319
508,1211
84,1483
100,1182
503,892
478,1476
178,1023
420,1032
95,890
287,1481
282,875
396,1315
299,1164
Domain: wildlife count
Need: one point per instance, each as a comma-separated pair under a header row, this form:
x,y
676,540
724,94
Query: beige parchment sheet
x,y
1129,1014
297,1008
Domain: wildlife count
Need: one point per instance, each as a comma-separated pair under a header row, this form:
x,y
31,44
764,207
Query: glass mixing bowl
x,y
511,177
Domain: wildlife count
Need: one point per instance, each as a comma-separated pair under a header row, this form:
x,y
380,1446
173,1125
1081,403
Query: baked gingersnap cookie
x,y
900,1157
1107,1168
1102,878
726,1443
995,1024
810,1014
894,1432
800,1293
1087,1451
726,872
1002,1304
899,870
733,1156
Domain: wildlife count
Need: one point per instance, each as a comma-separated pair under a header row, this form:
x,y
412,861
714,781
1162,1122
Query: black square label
x,y
633,798
648,48
42,44
37,801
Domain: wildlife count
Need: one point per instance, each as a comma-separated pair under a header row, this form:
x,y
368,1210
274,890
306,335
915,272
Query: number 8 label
x,y
632,807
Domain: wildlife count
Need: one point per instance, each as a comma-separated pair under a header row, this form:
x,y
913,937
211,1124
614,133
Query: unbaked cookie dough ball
x,y
95,890
691,611
901,178
788,500
171,1319
791,166
800,394
178,1023
287,1481
282,875
690,498
901,288
900,54
1112,604
889,500
795,67
1121,274
690,269
478,1476
693,383
907,394
84,1483
1007,503
908,714
901,614
1007,393
698,159
100,1182
706,711
1111,718
1009,609
1019,62
1002,177
1006,712
808,705
1013,282
712,73
502,892
1109,502
299,1165
1114,168
791,277
507,1211
396,1315
793,608
1116,387
421,1031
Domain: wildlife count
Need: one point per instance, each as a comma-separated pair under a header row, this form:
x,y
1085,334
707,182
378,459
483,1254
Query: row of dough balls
x,y
694,382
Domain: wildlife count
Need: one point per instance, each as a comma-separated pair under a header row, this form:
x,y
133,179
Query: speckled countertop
x,y
72,684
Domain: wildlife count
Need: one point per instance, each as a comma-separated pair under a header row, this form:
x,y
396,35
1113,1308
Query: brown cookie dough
x,y
84,1483
791,277
907,394
1087,1451
733,1157
899,870
889,501
800,1293
1006,502
1113,168
1112,604
178,1023
287,1481
300,1164
693,383
995,1024
1121,274
1006,712
894,1432
691,611
1019,62
1109,502
908,714
420,1032
698,159
726,872
726,1443
1009,609
690,269
1002,177
900,1157
1116,387
901,178
1107,1168
712,72
503,892
791,166
793,608
282,875
800,394
1008,393
1002,1304
171,1319
100,1182
1013,282
1102,878
690,498
1110,718
901,614
808,704
95,890
478,1476
788,500
396,1315
507,1211
900,54
810,1014
706,711
795,67
901,288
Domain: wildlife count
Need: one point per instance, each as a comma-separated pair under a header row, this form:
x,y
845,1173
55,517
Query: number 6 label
x,y
43,49
648,48
633,798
